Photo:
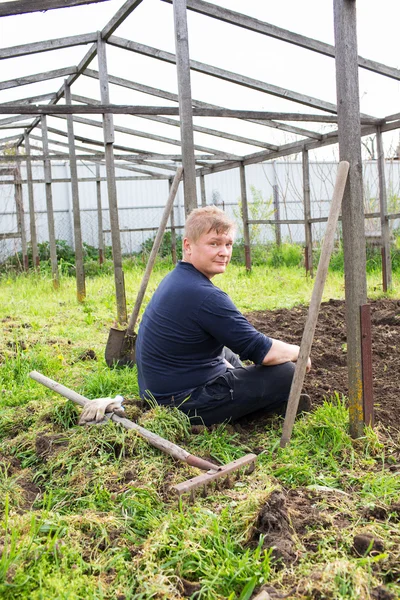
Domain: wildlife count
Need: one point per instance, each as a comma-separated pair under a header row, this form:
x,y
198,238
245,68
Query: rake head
x,y
203,480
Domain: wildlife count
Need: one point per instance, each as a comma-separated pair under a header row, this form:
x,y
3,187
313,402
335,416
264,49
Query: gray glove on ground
x,y
94,411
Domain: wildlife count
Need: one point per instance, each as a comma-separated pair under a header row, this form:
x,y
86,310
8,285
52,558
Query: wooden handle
x,y
154,250
315,303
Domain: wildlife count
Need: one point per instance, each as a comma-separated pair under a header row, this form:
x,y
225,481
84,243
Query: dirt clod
x,y
365,544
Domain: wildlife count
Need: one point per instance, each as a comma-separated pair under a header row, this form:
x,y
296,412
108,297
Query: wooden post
x,y
203,190
245,218
173,230
108,127
49,203
99,216
307,213
79,268
385,229
185,105
353,210
31,198
19,203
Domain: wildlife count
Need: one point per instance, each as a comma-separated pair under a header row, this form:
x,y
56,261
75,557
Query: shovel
x,y
120,348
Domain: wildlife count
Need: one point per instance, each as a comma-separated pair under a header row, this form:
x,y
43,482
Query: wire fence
x,y
274,190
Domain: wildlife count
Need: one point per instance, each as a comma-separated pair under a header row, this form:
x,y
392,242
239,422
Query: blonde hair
x,y
206,219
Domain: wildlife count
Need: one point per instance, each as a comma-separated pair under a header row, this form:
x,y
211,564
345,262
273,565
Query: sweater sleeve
x,y
220,318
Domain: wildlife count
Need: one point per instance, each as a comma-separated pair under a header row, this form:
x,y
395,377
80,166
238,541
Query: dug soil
x,y
328,355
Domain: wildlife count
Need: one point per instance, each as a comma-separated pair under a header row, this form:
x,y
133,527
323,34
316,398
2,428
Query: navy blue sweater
x,y
184,329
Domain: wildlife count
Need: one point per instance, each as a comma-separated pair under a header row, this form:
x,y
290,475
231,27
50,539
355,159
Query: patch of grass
x,y
88,512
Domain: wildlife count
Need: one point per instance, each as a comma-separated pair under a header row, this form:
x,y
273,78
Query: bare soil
x,y
329,370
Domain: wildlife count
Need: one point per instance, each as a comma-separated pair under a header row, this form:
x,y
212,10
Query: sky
x,y
217,43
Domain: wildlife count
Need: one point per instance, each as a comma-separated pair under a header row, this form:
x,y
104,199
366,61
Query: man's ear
x,y
186,246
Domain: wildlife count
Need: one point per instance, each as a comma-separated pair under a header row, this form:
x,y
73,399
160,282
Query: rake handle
x,y
315,303
154,250
154,440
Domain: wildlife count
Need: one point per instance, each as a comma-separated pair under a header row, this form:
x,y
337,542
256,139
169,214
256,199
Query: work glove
x,y
94,411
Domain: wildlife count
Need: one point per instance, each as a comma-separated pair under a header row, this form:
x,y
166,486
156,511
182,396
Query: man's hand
x,y
95,410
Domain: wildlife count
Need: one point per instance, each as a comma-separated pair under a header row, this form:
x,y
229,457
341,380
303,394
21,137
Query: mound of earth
x,y
329,372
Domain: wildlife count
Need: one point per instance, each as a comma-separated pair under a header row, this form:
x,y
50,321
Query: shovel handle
x,y
154,250
315,303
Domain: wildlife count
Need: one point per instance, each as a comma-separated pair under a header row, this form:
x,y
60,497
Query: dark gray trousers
x,y
239,392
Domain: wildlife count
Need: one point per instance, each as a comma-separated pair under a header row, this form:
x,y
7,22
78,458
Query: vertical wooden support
x,y
277,213
79,268
385,229
366,341
31,198
353,210
203,190
49,203
19,203
108,127
307,213
185,105
245,218
173,230
99,216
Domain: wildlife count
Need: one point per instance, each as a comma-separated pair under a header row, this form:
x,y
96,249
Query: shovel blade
x,y
120,348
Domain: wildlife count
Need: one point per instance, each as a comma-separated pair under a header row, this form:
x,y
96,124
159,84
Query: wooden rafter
x,y
19,7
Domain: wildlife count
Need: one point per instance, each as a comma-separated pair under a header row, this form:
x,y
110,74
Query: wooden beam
x,y
246,22
49,205
45,46
139,110
385,229
145,89
225,75
150,136
11,83
349,133
199,129
31,99
8,9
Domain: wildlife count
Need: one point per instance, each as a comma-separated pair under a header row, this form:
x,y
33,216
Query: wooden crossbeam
x,y
246,22
20,7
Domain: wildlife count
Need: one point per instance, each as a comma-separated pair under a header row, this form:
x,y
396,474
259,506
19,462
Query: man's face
x,y
210,254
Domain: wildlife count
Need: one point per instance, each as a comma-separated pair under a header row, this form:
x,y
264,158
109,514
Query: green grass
x,y
87,512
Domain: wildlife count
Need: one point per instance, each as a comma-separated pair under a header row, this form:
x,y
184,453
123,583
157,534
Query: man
x,y
191,335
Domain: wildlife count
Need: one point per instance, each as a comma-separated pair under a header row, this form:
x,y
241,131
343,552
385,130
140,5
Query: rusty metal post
x,y
366,345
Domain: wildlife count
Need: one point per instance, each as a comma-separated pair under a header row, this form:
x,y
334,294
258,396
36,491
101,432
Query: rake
x,y
213,472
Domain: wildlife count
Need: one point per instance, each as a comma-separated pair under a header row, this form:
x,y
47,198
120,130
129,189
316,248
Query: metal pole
x,y
79,268
385,229
108,126
307,212
353,209
49,203
245,218
185,105
99,216
35,253
277,213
